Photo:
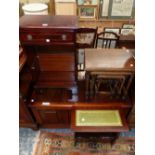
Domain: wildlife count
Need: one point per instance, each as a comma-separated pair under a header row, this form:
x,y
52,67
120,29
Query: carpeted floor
x,y
28,138
66,144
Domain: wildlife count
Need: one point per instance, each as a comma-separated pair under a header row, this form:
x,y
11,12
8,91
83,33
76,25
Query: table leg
x,y
128,84
92,85
87,76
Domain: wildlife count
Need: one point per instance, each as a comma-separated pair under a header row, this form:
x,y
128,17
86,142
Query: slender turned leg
x,y
128,84
122,84
87,84
92,85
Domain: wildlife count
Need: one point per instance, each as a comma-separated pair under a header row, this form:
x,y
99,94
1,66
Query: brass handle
x,y
29,37
48,40
64,37
33,68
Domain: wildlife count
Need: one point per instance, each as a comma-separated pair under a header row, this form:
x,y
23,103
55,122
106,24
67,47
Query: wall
x,y
106,23
33,1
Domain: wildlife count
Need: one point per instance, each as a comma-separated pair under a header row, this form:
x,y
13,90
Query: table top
x,y
48,21
109,60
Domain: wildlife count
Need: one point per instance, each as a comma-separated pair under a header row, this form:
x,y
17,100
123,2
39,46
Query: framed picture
x,y
87,12
112,29
65,8
103,8
127,31
87,2
130,26
121,9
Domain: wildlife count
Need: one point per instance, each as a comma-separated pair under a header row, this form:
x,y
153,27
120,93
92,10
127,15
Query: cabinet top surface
x,y
48,21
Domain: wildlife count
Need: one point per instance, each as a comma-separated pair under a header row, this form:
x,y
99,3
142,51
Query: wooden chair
x,y
107,40
85,38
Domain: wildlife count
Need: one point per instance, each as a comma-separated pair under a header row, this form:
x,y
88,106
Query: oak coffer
x,y
49,42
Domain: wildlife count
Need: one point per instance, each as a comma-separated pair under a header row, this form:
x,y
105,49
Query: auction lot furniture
x,y
101,64
50,45
57,99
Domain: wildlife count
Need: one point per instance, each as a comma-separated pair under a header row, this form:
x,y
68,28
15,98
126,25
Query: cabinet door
x,y
52,118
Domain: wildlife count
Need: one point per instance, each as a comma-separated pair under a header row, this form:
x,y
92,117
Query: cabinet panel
x,y
52,118
56,76
56,62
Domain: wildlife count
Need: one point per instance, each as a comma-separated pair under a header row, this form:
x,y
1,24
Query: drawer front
x,y
57,76
47,38
52,117
56,62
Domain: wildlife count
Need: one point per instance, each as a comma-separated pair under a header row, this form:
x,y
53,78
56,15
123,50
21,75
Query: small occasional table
x,y
109,62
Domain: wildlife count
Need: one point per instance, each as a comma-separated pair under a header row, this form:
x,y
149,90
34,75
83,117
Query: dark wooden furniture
x,y
55,108
49,42
86,37
107,40
55,95
26,118
50,45
109,63
126,41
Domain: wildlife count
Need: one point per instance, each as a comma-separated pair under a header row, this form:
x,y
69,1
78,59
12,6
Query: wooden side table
x,y
111,64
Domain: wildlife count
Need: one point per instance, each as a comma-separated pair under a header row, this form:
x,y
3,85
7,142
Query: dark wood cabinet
x,y
54,92
50,45
52,118
49,42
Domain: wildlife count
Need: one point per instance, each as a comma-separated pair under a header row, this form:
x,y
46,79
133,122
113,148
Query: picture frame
x,y
103,9
121,9
87,2
65,7
87,12
130,26
112,29
127,31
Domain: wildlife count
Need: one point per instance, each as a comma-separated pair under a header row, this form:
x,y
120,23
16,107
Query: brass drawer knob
x,y
48,40
29,37
64,37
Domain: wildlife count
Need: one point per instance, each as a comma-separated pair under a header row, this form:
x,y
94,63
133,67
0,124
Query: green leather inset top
x,y
98,118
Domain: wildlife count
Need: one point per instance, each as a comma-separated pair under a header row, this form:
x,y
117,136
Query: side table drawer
x,y
56,61
52,118
47,38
